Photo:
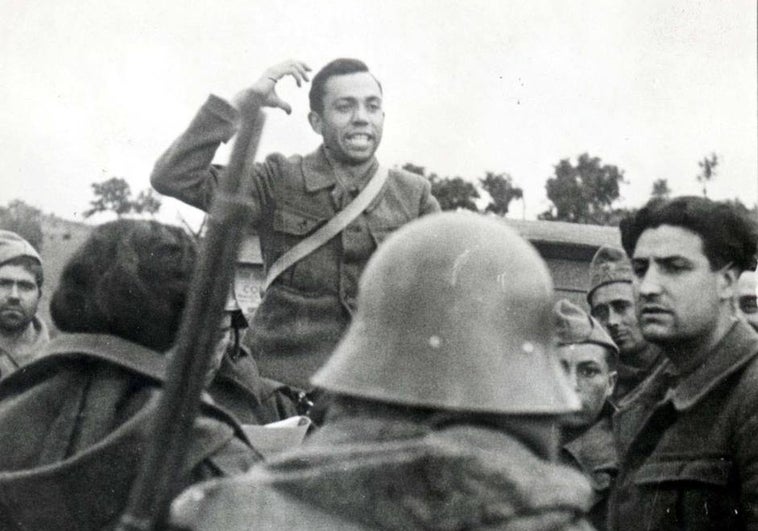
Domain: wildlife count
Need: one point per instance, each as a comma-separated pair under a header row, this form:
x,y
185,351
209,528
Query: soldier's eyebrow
x,y
676,259
345,99
673,261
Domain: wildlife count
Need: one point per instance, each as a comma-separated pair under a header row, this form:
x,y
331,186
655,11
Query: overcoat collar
x,y
735,350
110,348
594,450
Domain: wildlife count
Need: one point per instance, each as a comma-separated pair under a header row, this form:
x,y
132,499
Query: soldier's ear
x,y
315,120
612,381
727,280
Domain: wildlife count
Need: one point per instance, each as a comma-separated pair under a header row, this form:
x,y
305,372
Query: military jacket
x,y
305,311
688,445
593,452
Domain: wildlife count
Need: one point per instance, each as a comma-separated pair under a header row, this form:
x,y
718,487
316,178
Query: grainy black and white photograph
x,y
413,265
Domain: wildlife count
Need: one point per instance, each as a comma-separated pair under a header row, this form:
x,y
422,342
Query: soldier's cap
x,y
573,326
13,246
610,264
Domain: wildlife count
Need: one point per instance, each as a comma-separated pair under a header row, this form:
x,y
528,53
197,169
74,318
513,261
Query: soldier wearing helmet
x,y
446,400
22,333
589,358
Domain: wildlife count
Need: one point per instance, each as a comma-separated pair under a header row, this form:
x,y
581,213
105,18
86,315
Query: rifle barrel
x,y
178,405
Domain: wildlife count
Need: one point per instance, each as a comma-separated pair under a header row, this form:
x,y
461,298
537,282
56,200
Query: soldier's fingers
x,y
303,70
299,72
276,101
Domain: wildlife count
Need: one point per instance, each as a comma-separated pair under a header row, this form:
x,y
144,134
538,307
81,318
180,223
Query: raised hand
x,y
263,91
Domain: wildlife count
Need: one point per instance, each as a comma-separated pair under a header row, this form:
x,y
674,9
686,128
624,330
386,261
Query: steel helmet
x,y
454,312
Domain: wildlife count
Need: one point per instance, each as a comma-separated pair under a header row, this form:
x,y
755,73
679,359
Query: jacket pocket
x,y
696,493
290,227
711,471
295,222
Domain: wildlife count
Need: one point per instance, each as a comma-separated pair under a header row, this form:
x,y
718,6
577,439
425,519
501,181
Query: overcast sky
x,y
91,89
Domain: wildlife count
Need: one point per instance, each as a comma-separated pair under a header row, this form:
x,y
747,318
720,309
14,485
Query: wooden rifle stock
x,y
165,455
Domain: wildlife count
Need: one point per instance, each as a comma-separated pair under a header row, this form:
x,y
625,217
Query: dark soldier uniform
x,y
590,359
693,456
688,438
593,451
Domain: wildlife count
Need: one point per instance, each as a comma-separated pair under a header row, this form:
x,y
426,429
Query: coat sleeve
x,y
185,171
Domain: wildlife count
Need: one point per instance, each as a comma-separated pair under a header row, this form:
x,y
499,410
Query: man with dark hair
x,y
22,333
690,434
589,357
307,307
446,402
75,422
611,301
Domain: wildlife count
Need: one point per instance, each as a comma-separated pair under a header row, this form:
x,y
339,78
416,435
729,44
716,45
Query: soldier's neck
x,y
641,357
355,172
688,355
10,339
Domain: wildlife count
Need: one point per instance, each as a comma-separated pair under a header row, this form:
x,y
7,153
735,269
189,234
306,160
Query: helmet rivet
x,y
435,342
527,347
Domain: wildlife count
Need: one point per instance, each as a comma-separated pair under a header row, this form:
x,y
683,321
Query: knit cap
x,y
574,326
610,264
12,246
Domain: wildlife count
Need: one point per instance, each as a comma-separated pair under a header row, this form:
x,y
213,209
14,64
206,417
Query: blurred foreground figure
x,y
22,334
445,402
589,357
611,301
691,461
73,424
747,292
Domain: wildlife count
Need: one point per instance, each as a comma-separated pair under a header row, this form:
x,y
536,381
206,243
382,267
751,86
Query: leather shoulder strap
x,y
329,230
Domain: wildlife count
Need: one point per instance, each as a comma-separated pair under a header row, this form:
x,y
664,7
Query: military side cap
x,y
13,246
610,264
574,326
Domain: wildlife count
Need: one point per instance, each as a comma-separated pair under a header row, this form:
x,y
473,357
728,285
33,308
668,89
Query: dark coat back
x,y
74,425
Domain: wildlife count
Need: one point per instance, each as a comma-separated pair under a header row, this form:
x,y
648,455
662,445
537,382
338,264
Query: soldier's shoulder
x,y
407,178
280,160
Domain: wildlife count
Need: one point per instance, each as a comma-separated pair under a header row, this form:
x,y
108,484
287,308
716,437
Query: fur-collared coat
x,y
376,473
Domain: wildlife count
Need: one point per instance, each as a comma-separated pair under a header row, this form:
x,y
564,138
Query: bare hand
x,y
264,90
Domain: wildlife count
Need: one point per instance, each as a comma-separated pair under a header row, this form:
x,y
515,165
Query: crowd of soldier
x,y
451,391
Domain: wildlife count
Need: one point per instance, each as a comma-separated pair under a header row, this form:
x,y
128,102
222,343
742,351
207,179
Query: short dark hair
x,y
338,67
728,235
129,279
32,265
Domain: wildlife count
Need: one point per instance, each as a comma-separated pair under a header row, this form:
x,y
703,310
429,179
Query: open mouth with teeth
x,y
359,140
